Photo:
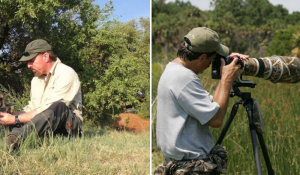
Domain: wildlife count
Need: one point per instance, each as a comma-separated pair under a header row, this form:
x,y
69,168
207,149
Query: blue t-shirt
x,y
183,109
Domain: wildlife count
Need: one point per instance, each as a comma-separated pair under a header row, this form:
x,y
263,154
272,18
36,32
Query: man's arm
x,y
221,95
8,119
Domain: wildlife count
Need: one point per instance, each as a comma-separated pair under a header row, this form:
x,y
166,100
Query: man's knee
x,y
58,106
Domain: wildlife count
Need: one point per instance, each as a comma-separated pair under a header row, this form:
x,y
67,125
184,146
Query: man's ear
x,y
202,57
46,57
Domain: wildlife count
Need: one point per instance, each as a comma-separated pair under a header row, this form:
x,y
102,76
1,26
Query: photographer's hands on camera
x,y
229,74
231,71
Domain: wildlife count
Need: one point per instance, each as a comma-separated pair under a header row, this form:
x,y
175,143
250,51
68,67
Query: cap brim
x,y
24,58
223,50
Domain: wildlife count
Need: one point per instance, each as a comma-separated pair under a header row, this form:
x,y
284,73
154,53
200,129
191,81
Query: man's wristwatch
x,y
17,121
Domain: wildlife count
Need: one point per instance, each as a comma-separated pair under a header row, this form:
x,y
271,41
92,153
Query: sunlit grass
x,y
99,151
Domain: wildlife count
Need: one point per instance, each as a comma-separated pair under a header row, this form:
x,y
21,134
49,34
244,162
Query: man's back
x,y
181,108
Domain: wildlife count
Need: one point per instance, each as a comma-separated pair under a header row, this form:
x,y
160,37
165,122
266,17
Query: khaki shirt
x,y
61,84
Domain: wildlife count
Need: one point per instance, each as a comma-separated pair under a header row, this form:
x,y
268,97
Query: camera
x,y
216,64
277,69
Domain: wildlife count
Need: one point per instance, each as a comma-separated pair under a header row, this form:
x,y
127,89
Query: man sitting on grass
x,y
55,104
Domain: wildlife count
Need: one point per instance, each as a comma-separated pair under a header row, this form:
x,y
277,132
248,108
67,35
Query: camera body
x,y
216,64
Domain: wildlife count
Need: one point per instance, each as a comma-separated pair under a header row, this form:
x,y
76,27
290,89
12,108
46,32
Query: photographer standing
x,y
185,111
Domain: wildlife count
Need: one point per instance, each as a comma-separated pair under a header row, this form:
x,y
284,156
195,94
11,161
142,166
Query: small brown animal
x,y
131,122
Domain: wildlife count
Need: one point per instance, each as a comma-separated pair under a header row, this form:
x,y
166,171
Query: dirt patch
x,y
131,122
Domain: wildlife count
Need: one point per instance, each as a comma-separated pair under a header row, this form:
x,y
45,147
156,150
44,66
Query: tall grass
x,y
280,109
13,98
99,151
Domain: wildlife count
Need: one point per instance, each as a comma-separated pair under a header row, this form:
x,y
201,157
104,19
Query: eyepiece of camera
x,y
216,65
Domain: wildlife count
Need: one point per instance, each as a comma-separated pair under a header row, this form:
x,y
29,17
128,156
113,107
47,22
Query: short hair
x,y
51,55
185,53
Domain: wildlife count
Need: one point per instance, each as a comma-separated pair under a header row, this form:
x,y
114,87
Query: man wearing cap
x,y
185,111
55,104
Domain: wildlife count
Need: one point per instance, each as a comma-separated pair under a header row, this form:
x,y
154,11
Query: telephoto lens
x,y
276,69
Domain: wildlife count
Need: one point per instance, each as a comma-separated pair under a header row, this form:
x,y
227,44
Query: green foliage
x,y
14,98
245,26
293,19
116,65
83,36
281,43
172,20
247,12
284,41
67,25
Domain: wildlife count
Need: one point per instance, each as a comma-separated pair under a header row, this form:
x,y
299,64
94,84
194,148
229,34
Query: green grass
x,y
280,109
99,151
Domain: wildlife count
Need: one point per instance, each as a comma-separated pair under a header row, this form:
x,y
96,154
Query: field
x,y
99,151
280,109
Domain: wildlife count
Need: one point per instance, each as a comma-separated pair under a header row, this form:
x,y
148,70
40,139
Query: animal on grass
x,y
131,122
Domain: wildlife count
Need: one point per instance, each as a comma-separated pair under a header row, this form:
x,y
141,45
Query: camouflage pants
x,y
214,164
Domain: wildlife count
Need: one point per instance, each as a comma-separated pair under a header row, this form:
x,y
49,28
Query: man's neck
x,y
186,63
49,66
180,61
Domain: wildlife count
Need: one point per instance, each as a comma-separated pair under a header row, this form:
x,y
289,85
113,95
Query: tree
x,y
67,25
247,25
116,65
83,36
284,41
172,20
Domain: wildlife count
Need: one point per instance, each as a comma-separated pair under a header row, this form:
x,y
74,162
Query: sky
x,y
134,9
290,5
128,9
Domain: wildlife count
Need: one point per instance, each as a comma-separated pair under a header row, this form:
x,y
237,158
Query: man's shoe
x,y
11,142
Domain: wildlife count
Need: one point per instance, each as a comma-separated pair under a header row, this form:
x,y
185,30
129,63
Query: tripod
x,y
247,102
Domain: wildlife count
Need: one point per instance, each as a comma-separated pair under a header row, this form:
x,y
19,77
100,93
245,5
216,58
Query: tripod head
x,y
241,83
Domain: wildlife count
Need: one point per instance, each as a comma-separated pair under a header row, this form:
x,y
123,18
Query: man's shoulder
x,y
175,78
65,69
179,69
178,72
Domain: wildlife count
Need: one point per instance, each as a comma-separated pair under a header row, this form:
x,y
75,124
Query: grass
x,y
98,151
280,109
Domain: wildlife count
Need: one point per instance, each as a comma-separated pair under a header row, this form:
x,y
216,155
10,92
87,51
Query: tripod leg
x,y
265,153
255,150
249,108
228,122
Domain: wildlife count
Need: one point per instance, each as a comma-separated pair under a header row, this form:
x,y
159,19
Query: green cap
x,y
205,40
35,47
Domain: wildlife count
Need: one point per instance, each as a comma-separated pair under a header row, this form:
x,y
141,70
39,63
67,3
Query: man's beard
x,y
36,73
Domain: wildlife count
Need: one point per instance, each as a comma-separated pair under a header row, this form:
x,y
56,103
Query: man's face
x,y
37,65
206,62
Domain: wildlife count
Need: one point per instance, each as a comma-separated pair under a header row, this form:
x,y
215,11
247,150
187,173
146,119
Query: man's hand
x,y
243,57
230,72
6,118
